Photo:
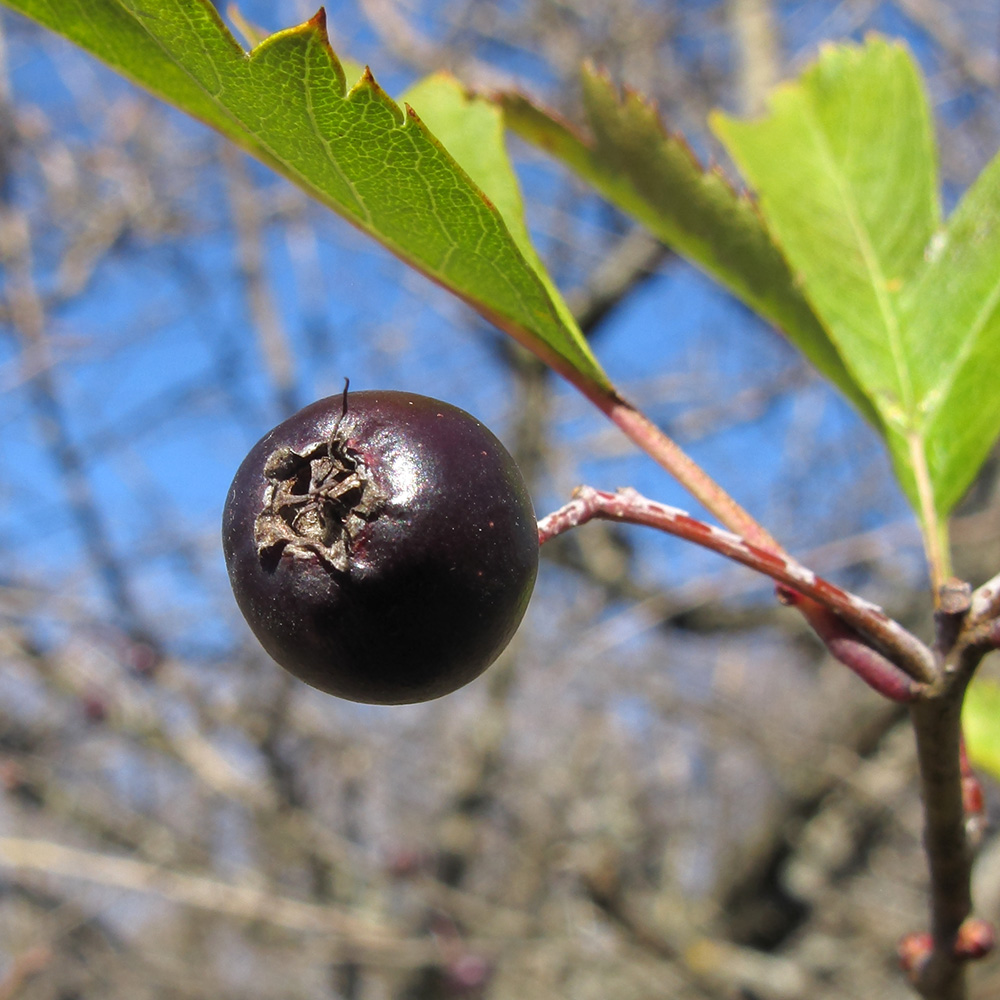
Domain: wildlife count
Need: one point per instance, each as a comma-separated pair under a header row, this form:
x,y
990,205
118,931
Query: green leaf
x,y
846,171
952,316
981,725
472,129
629,157
355,150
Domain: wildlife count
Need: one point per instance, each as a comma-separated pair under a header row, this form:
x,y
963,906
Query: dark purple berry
x,y
381,545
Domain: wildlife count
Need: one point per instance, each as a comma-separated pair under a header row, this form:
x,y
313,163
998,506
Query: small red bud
x,y
914,951
975,939
972,796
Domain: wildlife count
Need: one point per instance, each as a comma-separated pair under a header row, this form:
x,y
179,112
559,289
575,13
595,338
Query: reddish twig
x,y
689,474
849,648
869,621
984,608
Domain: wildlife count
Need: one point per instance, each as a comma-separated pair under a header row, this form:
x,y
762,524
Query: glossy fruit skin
x,y
393,565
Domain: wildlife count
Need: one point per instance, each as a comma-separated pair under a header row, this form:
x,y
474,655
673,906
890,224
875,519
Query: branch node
x,y
975,939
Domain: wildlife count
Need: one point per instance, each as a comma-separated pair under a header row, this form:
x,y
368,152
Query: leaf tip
x,y
367,82
318,23
589,70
